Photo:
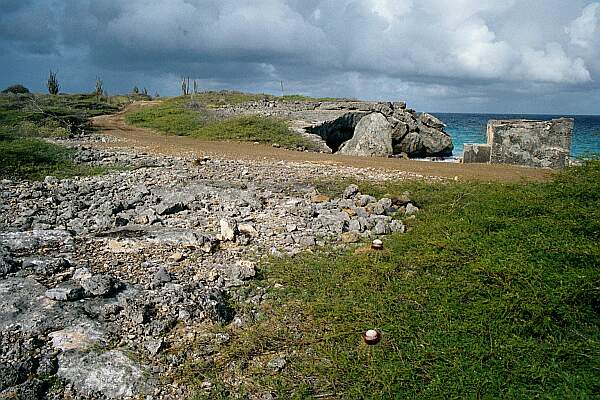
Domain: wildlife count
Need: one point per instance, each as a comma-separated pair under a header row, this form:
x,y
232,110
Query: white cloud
x,y
586,28
435,48
553,65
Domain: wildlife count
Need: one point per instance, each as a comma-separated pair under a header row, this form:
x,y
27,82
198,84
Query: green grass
x,y
70,112
493,293
174,117
34,159
24,119
216,99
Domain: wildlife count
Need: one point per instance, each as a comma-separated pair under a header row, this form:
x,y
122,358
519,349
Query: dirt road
x,y
155,142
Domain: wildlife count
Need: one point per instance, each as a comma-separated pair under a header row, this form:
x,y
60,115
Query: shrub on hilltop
x,y
16,89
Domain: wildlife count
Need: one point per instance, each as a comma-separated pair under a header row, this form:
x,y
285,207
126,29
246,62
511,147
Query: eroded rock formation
x,y
358,128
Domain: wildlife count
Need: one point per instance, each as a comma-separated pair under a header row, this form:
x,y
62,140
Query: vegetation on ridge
x,y
25,119
192,116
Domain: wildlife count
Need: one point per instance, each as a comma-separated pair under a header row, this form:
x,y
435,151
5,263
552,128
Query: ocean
x,y
471,128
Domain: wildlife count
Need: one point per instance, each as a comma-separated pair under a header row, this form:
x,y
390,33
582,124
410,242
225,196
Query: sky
x,y
518,56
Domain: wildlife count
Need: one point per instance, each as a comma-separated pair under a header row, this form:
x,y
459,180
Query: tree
x,y
135,90
53,86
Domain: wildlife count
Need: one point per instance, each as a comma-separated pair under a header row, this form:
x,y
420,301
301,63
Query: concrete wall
x,y
541,144
545,144
477,153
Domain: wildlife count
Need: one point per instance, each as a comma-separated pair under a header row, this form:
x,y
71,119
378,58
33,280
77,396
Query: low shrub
x,y
16,89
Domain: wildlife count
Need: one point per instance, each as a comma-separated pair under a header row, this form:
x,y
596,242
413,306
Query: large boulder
x,y
431,121
372,137
435,142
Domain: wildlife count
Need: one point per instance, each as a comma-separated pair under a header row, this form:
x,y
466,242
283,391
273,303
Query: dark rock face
x,y
386,129
338,131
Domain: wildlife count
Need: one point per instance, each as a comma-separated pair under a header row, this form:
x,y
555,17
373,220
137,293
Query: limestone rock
x,y
427,142
162,276
411,209
350,192
99,285
66,291
228,230
79,337
30,241
243,269
431,121
248,230
372,137
22,302
111,373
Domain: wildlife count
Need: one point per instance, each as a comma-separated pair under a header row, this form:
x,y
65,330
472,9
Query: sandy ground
x,y
154,142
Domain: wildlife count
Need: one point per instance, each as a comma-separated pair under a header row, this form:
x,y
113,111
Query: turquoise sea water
x,y
471,128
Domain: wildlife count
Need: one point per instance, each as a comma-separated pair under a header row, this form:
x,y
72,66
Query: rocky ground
x,y
104,278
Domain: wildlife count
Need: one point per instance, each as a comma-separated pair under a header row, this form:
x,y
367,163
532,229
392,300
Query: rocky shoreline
x,y
105,281
357,128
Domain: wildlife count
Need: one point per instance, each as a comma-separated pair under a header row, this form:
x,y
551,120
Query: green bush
x,y
16,89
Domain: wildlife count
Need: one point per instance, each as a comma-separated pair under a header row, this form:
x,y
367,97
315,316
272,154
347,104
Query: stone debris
x,y
66,291
99,275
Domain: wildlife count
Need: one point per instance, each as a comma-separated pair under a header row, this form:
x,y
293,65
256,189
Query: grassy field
x,y
26,119
493,293
221,98
183,116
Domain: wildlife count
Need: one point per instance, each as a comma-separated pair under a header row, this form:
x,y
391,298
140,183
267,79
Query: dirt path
x,y
154,142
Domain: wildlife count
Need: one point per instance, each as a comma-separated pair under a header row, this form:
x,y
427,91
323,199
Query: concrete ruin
x,y
477,153
540,144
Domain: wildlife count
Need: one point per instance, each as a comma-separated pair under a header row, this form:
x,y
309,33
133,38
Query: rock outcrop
x,y
386,129
372,137
337,126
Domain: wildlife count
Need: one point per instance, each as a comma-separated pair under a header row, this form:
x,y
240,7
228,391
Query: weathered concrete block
x,y
477,153
544,144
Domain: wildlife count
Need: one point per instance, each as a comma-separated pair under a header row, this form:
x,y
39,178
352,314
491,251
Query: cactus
x,y
99,87
53,86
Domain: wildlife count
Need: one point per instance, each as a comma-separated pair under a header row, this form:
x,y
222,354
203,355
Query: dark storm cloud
x,y
466,54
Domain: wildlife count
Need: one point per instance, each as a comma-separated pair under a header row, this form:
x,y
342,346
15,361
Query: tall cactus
x,y
53,86
99,87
